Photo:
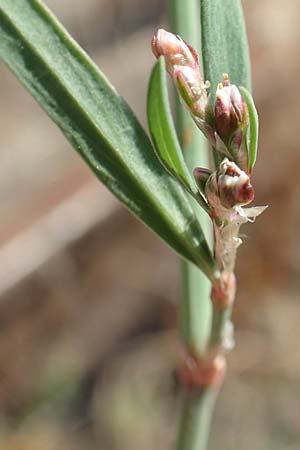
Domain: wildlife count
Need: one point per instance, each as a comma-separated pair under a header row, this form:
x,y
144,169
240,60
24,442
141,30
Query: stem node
x,y
197,372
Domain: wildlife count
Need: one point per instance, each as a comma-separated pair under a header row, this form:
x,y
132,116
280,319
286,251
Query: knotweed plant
x,y
151,176
229,122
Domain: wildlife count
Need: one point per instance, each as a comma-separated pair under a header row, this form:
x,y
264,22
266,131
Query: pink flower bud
x,y
233,185
182,64
228,187
174,49
230,110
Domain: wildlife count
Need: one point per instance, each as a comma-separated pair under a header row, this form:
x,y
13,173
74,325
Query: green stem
x,y
195,305
196,309
220,319
196,418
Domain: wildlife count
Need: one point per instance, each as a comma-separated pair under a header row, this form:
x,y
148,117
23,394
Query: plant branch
x,y
195,302
196,418
196,308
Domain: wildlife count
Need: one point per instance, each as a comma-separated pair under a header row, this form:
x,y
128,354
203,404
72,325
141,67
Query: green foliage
x,y
163,132
253,126
98,123
224,42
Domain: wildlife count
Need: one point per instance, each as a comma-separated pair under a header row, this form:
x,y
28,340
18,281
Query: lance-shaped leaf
x,y
253,126
98,123
163,132
224,42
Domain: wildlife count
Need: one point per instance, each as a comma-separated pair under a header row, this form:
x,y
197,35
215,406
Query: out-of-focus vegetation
x,y
87,337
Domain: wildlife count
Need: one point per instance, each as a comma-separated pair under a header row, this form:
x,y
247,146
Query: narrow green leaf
x,y
163,132
162,127
253,126
98,123
224,42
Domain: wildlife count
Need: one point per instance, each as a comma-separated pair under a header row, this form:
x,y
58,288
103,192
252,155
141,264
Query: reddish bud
x,y
174,49
233,185
230,109
182,64
229,186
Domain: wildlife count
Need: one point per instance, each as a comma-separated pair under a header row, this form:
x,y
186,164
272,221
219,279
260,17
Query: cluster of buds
x,y
225,121
226,124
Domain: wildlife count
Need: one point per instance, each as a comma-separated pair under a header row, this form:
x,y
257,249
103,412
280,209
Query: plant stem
x,y
195,300
196,418
196,308
220,320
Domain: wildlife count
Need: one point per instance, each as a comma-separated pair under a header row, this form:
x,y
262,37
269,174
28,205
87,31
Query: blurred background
x,y
88,295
